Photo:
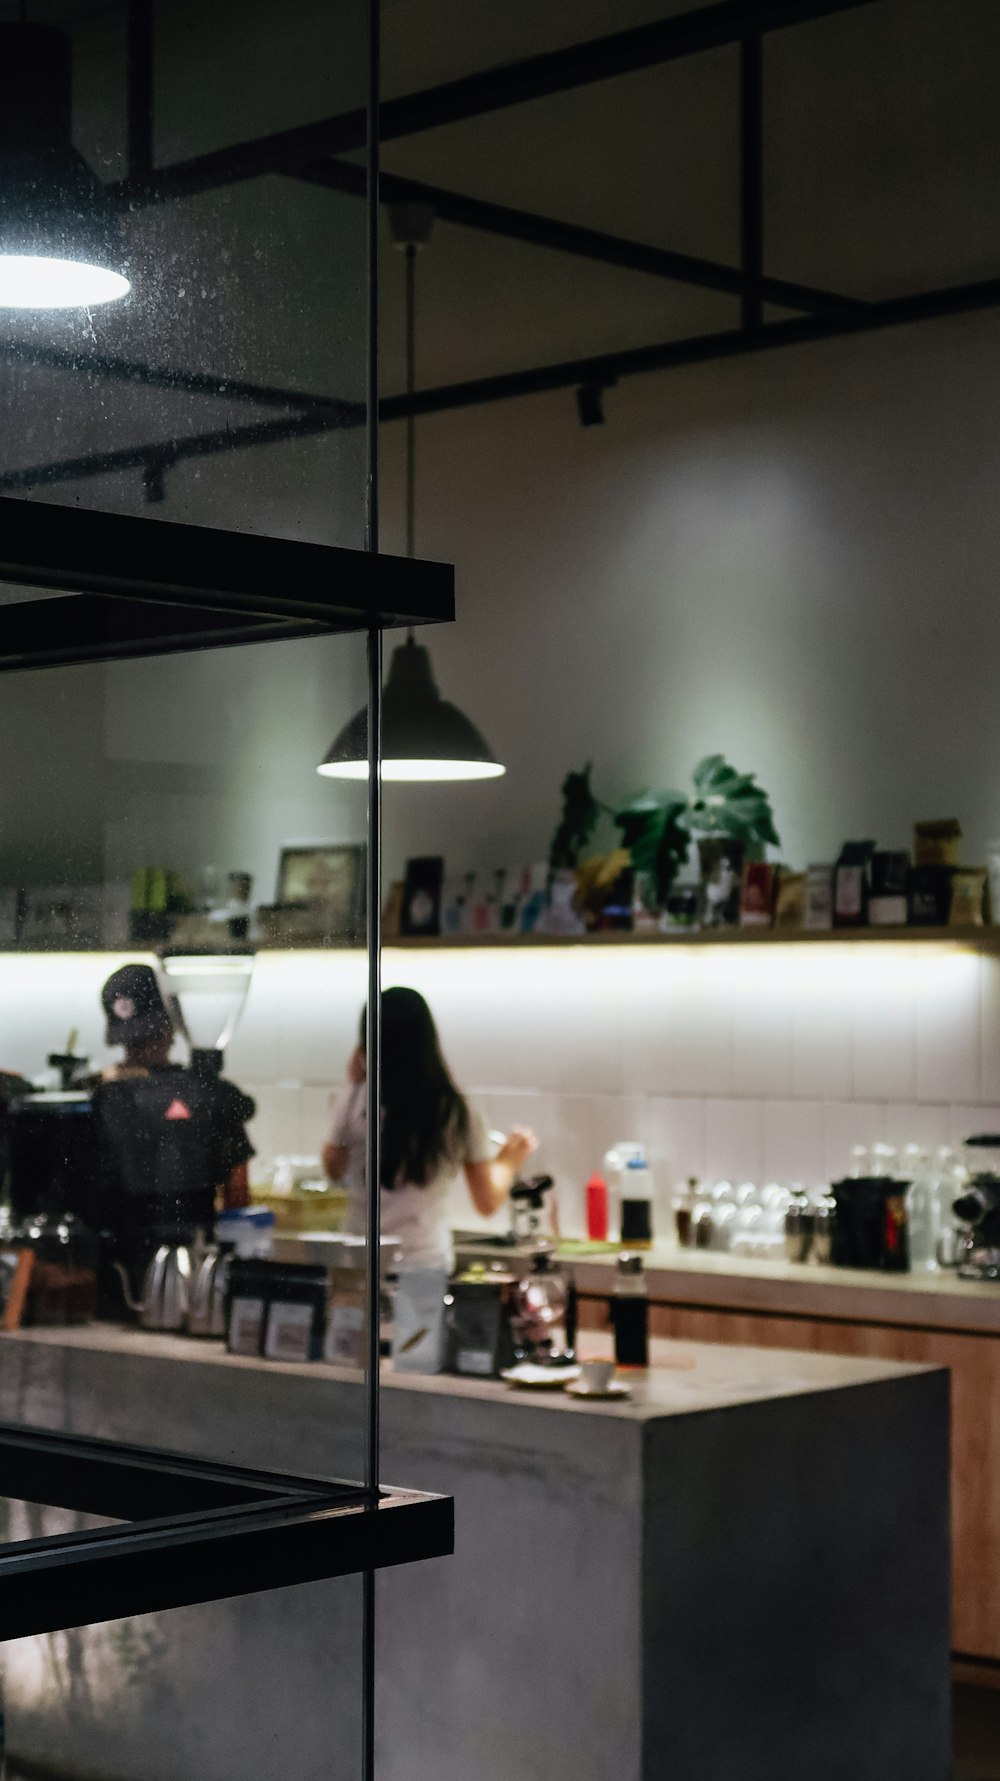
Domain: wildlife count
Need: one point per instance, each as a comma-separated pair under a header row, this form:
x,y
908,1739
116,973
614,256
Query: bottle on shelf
x,y
597,1209
615,1164
630,1313
949,1180
637,1204
921,1206
684,1201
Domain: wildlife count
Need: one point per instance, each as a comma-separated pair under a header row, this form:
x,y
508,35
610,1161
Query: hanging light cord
x,y
411,432
411,426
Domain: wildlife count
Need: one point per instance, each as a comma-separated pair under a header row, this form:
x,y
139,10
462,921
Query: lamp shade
x,y
60,235
423,736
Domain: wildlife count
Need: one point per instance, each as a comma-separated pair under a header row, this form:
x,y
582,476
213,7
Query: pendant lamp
x,y
60,238
424,737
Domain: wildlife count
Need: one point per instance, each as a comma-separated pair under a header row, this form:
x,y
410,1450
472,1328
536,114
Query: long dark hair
x,y
425,1119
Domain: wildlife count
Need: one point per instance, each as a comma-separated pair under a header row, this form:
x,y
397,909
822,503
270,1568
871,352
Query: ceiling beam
x,y
608,368
602,370
492,89
157,456
571,238
169,377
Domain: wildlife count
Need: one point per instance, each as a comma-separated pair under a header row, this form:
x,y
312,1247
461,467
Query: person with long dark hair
x,y
429,1133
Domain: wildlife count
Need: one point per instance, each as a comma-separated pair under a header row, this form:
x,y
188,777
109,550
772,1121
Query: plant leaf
x,y
580,815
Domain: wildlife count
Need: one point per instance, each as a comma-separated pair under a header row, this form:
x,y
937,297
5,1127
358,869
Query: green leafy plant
x,y
730,803
658,828
580,814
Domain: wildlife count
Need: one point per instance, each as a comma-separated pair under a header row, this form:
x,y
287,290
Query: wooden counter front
x,y
935,1319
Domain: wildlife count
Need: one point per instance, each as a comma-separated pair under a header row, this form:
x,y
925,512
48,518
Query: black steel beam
x,y
607,368
139,49
752,179
593,244
92,628
164,454
536,77
57,548
191,1533
599,371
169,377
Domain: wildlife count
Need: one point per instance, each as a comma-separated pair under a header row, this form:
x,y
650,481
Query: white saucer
x,y
617,1389
535,1378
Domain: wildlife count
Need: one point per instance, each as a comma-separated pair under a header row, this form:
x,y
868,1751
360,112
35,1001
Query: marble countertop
x,y
684,1378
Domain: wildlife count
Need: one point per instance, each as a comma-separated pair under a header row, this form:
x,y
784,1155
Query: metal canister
x,y
799,1226
824,1212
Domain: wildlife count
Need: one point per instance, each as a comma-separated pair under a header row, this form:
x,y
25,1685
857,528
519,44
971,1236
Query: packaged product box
x,y
345,1342
757,895
791,899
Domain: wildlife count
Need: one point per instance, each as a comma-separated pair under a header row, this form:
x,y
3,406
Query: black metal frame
x,y
195,588
189,1531
310,152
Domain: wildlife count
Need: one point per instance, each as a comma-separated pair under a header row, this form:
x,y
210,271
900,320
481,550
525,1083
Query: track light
x,y
590,404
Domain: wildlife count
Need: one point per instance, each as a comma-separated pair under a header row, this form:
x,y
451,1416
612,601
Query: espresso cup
x,y
597,1375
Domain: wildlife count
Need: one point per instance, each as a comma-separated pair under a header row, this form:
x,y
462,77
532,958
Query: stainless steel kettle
x,y
207,1300
166,1289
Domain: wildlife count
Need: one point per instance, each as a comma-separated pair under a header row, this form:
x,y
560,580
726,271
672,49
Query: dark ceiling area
x,y
731,178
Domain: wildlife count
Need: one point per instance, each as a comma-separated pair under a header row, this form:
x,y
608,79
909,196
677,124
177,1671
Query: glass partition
x,y
183,1114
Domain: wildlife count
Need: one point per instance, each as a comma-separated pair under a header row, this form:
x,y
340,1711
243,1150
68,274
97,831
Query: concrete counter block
x,y
741,1575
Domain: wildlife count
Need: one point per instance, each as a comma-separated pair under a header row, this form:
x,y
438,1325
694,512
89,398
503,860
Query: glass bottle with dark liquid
x,y
683,1209
630,1313
637,1204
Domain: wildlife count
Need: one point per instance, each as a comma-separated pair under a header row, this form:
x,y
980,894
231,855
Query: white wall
x,y
792,559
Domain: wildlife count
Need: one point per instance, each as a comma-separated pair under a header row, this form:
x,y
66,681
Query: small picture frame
x,y
328,878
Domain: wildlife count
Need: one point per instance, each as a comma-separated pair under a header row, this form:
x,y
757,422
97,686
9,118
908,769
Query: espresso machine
x,y
977,1210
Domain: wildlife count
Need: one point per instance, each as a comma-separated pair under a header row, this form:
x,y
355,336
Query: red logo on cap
x,y
177,1110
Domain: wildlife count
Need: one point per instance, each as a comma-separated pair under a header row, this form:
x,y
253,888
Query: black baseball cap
x,y
135,1005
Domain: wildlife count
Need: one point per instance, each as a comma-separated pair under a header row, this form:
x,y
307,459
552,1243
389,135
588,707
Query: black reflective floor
x,y
977,1734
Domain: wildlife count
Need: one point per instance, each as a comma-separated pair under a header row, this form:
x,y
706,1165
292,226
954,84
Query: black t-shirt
x,y
170,1138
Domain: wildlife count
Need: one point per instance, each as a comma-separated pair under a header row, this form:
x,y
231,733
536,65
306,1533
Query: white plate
x,y
617,1389
540,1378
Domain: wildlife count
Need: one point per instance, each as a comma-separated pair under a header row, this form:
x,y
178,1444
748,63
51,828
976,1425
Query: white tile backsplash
x,y
722,1060
883,1023
734,1140
793,1141
948,1027
989,1028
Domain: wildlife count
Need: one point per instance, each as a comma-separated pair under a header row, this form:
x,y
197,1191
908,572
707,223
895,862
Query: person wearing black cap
x,y
174,1138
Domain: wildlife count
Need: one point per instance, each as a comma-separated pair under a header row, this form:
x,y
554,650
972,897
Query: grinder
x,y
978,1211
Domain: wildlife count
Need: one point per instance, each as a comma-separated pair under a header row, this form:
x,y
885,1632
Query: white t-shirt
x,y
416,1216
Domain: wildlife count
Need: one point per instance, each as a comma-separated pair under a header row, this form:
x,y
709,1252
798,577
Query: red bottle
x,y
597,1209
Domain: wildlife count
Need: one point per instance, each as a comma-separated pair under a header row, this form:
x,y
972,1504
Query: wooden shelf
x,y
984,939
